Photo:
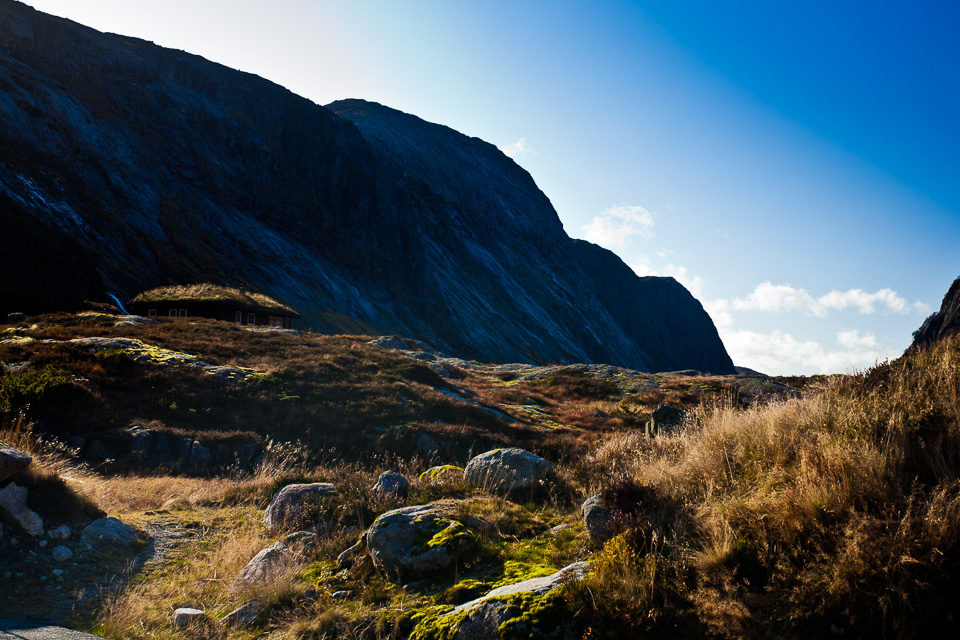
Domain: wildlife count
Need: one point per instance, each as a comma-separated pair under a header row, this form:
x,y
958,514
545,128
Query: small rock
x,y
186,616
507,471
302,542
109,532
391,485
266,565
340,595
13,500
60,533
43,543
346,558
560,527
596,518
16,317
666,419
427,445
287,507
243,615
58,574
12,462
62,553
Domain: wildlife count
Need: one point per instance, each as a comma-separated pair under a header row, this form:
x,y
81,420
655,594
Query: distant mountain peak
x,y
125,166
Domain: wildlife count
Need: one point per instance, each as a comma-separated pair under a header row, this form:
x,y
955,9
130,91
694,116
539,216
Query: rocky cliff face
x,y
125,166
943,323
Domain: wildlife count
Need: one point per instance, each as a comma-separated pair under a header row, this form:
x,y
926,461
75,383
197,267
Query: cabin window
x,y
172,313
152,313
276,321
251,318
239,317
183,313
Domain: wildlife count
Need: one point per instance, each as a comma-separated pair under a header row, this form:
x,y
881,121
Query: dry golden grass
x,y
842,508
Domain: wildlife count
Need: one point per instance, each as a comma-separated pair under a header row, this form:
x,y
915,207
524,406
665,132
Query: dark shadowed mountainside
x,y
943,323
125,166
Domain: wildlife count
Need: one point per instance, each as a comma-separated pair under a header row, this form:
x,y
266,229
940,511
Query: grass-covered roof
x,y
207,292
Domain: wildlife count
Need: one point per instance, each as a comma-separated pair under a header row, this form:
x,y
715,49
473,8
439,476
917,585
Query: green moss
x,y
463,591
515,571
437,474
437,623
532,616
442,532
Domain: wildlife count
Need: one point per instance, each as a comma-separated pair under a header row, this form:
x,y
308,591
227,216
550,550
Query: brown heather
x,y
835,514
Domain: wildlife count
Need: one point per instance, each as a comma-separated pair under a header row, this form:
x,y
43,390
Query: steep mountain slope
x,y
943,323
124,166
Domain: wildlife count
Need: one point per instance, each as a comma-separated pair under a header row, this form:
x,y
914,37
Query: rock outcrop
x,y
943,323
125,166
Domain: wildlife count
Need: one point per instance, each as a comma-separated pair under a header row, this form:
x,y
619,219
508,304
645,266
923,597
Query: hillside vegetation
x,y
764,515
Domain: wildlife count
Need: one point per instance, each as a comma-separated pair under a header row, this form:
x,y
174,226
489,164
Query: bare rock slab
x,y
288,509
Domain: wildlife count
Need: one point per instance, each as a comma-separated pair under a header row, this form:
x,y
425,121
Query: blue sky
x,y
794,165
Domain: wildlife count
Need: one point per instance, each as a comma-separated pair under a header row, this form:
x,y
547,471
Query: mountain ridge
x,y
128,166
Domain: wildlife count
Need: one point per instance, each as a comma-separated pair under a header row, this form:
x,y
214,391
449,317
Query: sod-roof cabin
x,y
213,301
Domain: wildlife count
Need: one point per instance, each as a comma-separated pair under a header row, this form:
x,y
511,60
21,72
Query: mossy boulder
x,y
417,541
508,471
533,608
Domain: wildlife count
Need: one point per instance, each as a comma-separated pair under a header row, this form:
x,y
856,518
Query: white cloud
x,y
865,302
780,353
615,227
782,297
517,148
777,297
852,339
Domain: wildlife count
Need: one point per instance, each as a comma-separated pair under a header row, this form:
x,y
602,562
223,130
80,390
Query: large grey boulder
x,y
507,471
596,519
12,462
266,566
419,540
109,532
13,500
287,509
501,612
391,484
